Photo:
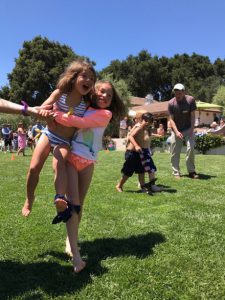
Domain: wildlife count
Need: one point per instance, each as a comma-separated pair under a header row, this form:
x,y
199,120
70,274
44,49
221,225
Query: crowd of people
x,y
16,140
77,113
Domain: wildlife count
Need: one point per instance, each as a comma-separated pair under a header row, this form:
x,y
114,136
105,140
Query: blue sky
x,y
105,30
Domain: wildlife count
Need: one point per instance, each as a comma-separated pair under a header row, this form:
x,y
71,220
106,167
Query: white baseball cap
x,y
179,86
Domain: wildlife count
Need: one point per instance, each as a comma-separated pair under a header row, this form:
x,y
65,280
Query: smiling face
x,y
85,82
104,93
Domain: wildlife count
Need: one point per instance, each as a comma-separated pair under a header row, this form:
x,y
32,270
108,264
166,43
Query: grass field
x,y
167,246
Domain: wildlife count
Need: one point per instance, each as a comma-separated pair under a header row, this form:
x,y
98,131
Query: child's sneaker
x,y
153,187
144,189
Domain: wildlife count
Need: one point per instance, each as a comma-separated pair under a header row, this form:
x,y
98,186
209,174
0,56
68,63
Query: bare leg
x,y
20,150
72,232
120,184
60,154
73,223
84,181
141,179
59,165
78,184
38,159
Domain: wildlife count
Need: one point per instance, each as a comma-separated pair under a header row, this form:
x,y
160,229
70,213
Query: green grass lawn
x,y
167,246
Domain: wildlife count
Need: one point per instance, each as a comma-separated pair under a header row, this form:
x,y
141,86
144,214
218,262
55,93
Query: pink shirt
x,y
87,141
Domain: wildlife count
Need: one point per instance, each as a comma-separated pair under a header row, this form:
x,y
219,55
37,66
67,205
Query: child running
x,y
85,146
74,84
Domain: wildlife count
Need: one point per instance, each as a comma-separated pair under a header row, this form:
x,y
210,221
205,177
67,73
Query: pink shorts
x,y
78,162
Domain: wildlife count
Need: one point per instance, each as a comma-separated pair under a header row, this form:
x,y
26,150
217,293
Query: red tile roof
x,y
156,108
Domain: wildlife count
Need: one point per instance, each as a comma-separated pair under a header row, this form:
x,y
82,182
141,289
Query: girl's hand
x,y
45,114
42,112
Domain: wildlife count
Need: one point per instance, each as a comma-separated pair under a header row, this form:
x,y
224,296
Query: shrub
x,y
208,141
202,143
158,141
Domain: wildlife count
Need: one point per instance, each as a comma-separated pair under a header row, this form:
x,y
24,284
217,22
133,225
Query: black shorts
x,y
8,142
132,164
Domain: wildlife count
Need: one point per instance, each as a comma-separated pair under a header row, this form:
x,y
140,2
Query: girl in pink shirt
x,y
85,146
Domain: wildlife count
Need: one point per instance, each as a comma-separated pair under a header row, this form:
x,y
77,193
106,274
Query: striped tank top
x,y
78,110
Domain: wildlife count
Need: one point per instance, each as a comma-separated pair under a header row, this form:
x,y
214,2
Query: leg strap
x,y
58,196
75,208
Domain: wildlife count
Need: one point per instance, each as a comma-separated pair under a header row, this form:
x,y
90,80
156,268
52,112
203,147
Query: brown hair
x,y
68,77
117,106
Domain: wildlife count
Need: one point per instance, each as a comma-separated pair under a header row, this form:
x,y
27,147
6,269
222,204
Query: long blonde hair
x,y
68,77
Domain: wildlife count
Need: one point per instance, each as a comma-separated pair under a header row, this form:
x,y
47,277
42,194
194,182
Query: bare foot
x,y
78,265
60,205
27,207
119,189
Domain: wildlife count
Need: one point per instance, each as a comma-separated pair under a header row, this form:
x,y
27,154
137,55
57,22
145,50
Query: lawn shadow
x,y
138,192
165,188
95,251
168,189
202,176
47,277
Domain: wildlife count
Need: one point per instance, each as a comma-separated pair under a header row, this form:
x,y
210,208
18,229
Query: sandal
x,y
62,216
63,209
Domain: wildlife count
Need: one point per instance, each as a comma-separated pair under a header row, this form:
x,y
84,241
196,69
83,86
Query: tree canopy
x,y
37,70
41,61
219,97
145,74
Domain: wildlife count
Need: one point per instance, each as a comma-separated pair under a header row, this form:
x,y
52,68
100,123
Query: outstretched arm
x,y
92,118
9,107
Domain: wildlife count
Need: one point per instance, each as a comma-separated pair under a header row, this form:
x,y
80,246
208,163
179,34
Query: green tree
x,y
37,69
139,72
219,67
122,89
219,97
5,92
145,74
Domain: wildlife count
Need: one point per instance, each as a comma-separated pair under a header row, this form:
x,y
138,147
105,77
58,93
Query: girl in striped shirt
x,y
71,96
